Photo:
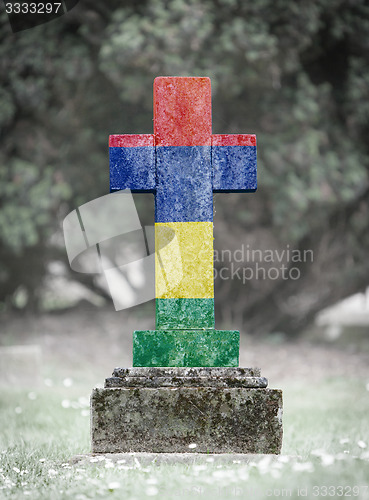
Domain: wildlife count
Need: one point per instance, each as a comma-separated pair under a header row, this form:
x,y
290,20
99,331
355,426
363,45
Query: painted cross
x,y
183,163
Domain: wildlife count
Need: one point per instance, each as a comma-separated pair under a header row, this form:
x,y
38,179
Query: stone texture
x,y
189,377
234,163
251,382
182,163
184,264
221,411
234,168
131,141
137,154
226,140
182,111
168,420
178,313
187,372
186,348
184,184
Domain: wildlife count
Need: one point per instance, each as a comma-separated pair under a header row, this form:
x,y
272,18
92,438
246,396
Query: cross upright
x,y
183,164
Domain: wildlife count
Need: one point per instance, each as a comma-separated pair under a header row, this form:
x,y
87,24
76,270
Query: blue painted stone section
x,y
132,168
184,184
234,168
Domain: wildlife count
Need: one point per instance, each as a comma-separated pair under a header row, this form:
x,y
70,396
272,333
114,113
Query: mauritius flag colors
x,y
183,164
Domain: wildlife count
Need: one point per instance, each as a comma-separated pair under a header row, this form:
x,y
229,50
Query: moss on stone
x,y
218,420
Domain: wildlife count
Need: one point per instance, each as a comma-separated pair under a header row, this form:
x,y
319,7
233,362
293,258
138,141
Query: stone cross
x,y
183,164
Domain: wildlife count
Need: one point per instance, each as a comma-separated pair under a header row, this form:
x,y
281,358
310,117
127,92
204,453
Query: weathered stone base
x,y
223,414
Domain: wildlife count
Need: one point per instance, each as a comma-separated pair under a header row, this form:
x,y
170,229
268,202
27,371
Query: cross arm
x,y
234,163
132,162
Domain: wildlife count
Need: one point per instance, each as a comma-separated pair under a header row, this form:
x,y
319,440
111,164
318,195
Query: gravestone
x,y
185,387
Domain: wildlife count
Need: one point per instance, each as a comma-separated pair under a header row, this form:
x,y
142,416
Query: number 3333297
x,y
32,8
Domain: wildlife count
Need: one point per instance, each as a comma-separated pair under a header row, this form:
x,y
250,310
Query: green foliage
x,y
259,57
294,73
31,198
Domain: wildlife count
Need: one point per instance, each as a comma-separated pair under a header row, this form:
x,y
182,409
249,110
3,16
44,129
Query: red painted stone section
x,y
234,140
131,140
182,111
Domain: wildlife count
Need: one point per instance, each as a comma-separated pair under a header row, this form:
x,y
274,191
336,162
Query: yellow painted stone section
x,y
184,261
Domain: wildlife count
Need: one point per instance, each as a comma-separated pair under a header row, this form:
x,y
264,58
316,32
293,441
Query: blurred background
x,y
295,74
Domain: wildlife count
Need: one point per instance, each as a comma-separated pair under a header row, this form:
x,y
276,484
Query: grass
x,y
325,451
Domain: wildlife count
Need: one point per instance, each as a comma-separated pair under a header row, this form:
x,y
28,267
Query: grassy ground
x,y
325,451
326,425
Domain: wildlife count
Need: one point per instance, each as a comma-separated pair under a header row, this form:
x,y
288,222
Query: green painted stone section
x,y
184,314
216,348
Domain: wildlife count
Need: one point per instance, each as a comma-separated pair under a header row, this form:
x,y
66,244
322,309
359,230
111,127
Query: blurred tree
x,y
296,74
